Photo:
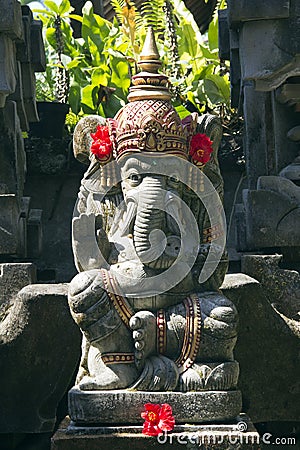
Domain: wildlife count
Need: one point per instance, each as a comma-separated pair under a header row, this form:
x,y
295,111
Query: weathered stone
x,y
294,134
12,154
38,58
224,37
17,97
7,68
24,47
209,437
262,69
289,93
125,406
9,232
40,347
282,286
13,277
11,19
246,10
271,214
28,80
292,171
267,347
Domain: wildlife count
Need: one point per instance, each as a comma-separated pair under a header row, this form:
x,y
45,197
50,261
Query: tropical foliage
x,y
98,65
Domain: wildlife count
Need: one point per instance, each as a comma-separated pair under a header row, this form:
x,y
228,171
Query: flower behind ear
x,y
200,149
102,145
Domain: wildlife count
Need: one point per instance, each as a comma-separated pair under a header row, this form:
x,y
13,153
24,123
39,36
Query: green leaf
x,y
100,77
94,30
113,105
52,6
76,17
211,55
213,34
89,98
182,111
50,36
74,97
45,12
65,7
120,73
223,87
74,63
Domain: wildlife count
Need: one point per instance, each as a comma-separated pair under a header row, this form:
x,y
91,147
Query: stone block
x,y
245,10
214,437
17,97
24,47
267,350
11,19
272,213
281,285
38,57
7,68
9,218
123,406
224,41
40,349
12,153
28,81
13,277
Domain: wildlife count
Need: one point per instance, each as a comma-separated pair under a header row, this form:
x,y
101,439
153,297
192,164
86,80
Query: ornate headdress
x,y
149,123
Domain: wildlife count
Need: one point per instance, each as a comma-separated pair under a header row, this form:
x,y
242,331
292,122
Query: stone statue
x,y
141,237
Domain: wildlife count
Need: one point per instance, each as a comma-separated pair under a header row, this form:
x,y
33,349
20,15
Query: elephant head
x,y
145,141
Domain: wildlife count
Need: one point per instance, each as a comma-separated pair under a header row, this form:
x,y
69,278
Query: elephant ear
x,y
211,125
100,190
99,178
82,139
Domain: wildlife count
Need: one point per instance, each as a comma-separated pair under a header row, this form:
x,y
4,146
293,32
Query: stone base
x,y
124,406
239,435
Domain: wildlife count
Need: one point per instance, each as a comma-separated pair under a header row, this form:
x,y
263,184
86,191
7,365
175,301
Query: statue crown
x,y
149,123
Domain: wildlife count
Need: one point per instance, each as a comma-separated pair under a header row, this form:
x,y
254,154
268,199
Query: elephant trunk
x,y
149,240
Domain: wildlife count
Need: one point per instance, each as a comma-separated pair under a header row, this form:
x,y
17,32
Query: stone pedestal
x,y
240,434
125,406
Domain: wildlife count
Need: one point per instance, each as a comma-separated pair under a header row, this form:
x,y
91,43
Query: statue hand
x,y
87,254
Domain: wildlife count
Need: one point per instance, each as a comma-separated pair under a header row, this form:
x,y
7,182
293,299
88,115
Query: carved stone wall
x,y
40,344
262,41
21,55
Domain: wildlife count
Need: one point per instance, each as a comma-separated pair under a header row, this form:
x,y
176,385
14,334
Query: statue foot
x,y
190,380
159,374
121,377
143,325
210,376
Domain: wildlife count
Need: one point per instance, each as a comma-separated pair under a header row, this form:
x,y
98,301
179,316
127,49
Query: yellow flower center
x,y
152,416
200,152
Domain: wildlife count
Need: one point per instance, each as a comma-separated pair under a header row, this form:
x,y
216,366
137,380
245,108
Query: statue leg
x,y
214,367
108,359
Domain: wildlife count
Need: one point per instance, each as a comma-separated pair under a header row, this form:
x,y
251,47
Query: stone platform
x,y
238,435
125,406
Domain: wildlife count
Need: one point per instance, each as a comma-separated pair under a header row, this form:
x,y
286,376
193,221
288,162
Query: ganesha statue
x,y
148,241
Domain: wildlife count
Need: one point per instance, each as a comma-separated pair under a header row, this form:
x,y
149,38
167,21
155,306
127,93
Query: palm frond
x,y
153,15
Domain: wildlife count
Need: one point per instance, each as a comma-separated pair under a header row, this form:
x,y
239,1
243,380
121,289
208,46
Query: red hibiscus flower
x,y
201,148
101,146
158,418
